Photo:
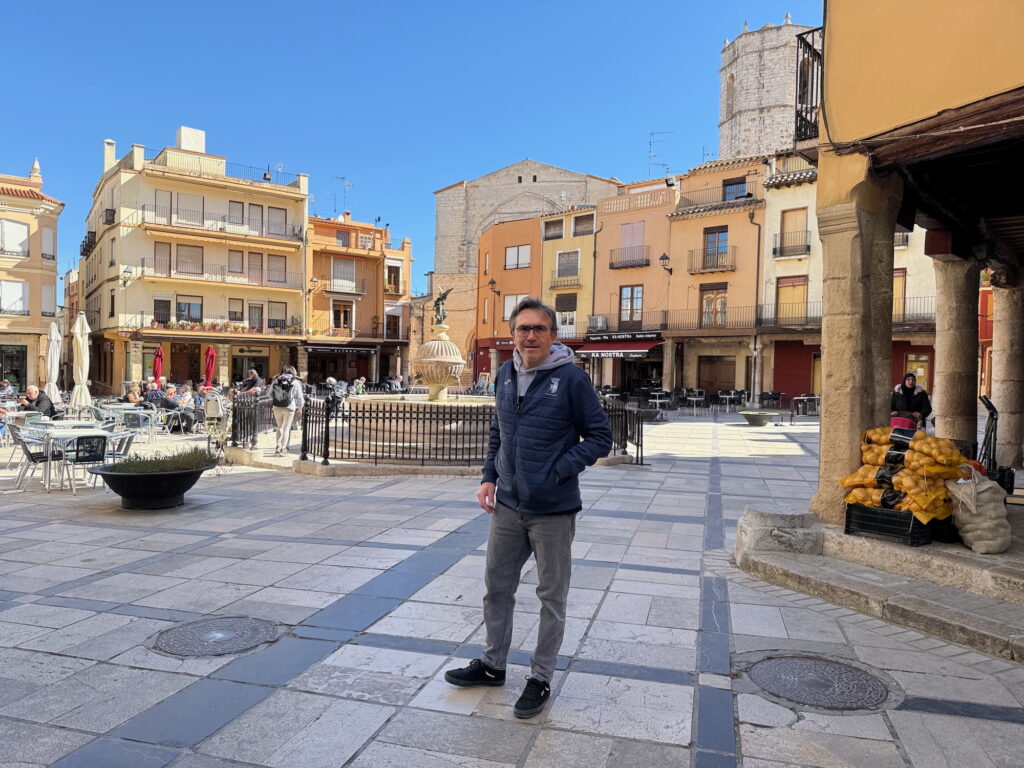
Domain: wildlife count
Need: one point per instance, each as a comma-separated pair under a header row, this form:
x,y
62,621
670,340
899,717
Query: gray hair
x,y
531,302
289,369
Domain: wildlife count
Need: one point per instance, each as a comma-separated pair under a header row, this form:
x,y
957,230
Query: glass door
x,y
256,317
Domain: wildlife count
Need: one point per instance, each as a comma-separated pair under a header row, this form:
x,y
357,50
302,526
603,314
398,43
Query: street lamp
x,y
313,283
663,260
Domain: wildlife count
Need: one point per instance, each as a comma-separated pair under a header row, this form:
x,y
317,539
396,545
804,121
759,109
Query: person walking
x,y
287,400
549,426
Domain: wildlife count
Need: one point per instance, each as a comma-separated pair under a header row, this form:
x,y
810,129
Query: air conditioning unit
x,y
108,215
599,323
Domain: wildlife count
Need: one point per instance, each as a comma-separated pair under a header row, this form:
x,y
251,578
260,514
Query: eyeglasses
x,y
526,330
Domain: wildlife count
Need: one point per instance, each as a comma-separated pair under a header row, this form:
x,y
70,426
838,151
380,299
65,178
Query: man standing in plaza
x,y
549,426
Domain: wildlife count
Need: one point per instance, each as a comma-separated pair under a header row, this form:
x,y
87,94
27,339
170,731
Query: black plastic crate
x,y
1005,476
969,450
892,523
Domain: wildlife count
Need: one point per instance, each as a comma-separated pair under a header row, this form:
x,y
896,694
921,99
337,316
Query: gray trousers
x,y
512,539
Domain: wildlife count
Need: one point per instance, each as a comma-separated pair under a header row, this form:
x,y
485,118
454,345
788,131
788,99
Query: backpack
x,y
281,392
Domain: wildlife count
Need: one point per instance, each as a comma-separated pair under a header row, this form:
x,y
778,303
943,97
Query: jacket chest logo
x,y
553,386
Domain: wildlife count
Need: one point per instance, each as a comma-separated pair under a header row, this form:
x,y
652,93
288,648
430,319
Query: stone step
x,y
1000,576
960,616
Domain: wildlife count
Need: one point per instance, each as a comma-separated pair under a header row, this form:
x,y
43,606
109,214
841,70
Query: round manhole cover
x,y
819,683
215,637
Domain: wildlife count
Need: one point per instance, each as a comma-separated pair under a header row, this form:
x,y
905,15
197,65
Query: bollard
x,y
329,405
305,431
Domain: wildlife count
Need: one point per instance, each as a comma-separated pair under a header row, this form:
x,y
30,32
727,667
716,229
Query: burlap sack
x,y
979,510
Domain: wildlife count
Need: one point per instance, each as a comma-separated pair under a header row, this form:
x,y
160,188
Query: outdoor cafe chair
x,y
34,453
80,452
118,446
140,422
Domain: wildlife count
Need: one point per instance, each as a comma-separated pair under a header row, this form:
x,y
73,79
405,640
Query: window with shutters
x,y
13,238
49,244
734,189
714,305
189,260
162,310
791,297
517,257
49,300
899,294
110,309
583,225
366,242
236,212
236,262
343,275
343,238
553,229
277,221
276,269
277,314
568,264
189,212
510,304
565,307
631,304
189,309
162,259
13,297
236,310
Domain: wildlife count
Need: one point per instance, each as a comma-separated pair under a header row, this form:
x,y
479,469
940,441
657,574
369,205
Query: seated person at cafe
x,y
252,383
134,395
3,420
7,392
34,400
170,402
153,394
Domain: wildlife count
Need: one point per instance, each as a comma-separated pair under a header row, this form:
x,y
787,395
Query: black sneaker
x,y
534,697
477,673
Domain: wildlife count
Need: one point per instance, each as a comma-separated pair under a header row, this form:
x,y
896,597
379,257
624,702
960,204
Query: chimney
x,y
348,217
109,154
192,139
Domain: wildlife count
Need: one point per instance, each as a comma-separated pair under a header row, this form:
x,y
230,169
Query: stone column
x,y
224,364
375,365
1008,372
856,334
607,370
135,360
668,365
495,363
302,361
955,399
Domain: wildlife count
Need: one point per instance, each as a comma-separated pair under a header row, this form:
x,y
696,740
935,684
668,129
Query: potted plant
x,y
155,482
172,326
758,418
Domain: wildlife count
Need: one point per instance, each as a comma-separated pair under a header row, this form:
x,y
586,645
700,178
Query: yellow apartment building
x,y
509,268
184,251
567,268
717,233
630,307
358,309
28,276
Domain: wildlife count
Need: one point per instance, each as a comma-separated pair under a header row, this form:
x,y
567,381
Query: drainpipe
x,y
758,352
593,282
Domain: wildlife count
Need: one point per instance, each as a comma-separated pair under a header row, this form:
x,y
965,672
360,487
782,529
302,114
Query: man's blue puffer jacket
x,y
536,454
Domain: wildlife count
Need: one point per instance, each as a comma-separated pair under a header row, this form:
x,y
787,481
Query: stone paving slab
x,y
376,584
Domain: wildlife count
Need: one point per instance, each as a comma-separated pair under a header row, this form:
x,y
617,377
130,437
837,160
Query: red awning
x,y
624,349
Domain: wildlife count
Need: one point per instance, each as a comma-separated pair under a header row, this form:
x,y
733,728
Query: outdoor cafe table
x,y
78,426
58,437
658,399
729,400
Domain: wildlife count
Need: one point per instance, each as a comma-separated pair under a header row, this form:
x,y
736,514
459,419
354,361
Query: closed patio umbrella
x,y
80,397
211,362
53,342
158,364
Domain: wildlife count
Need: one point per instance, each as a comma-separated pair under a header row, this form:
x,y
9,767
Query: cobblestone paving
x,y
376,584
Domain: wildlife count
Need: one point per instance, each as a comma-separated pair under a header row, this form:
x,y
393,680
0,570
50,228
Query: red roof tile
x,y
32,194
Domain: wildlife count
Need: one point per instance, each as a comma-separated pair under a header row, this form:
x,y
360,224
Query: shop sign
x,y
625,354
504,343
357,351
626,336
251,351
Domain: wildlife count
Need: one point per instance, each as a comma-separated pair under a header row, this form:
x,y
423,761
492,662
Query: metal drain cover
x,y
819,683
215,637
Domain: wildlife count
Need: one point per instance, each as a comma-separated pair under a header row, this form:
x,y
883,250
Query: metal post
x,y
329,406
305,430
254,423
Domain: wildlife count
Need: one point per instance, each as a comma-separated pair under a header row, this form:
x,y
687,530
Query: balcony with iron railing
x,y
209,325
214,221
201,271
173,160
917,313
358,246
901,240
712,260
721,197
326,329
630,256
564,281
355,287
809,78
789,245
14,310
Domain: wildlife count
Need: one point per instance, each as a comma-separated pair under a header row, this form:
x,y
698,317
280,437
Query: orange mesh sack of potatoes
x,y
874,454
878,436
937,510
862,478
871,497
943,450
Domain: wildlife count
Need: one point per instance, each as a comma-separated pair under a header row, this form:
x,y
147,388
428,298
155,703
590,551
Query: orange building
x,y
717,238
357,301
509,267
631,285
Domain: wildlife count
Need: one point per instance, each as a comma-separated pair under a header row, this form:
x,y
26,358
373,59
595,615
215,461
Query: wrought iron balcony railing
x,y
631,256
712,260
791,244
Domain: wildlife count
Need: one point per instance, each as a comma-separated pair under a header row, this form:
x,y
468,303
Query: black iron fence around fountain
x,y
409,432
251,414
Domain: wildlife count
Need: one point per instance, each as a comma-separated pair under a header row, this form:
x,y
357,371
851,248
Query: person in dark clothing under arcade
x,y
909,399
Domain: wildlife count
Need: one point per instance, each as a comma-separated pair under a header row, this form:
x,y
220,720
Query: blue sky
x,y
401,98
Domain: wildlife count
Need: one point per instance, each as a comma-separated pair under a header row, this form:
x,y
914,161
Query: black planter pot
x,y
150,490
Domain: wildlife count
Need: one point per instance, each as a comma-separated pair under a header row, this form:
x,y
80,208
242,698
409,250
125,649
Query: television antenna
x,y
652,155
346,185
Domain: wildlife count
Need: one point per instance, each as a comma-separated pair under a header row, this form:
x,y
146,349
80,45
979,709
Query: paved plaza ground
x,y
376,584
